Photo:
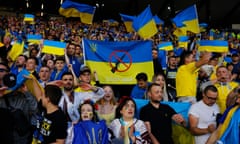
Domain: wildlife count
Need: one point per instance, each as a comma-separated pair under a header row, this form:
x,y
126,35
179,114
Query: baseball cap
x,y
85,69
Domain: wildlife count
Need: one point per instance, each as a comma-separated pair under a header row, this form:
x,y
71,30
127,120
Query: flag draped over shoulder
x,y
28,18
167,46
73,9
16,50
118,62
53,47
34,38
229,132
144,24
188,18
128,20
213,46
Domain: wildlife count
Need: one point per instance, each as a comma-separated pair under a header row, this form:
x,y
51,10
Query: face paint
x,y
90,114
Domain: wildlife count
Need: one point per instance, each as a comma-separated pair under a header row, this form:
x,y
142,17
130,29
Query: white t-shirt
x,y
206,115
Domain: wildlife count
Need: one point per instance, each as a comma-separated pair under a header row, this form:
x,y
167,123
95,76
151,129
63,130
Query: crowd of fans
x,y
66,106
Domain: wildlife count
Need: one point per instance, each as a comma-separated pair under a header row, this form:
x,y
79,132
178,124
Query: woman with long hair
x,y
160,79
125,127
107,105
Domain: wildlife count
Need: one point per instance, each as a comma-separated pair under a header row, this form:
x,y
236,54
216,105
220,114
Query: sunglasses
x,y
211,98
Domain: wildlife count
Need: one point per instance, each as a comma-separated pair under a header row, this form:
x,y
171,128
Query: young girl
x,y
89,130
125,127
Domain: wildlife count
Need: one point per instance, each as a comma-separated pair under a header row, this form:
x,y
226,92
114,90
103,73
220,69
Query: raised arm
x,y
38,90
204,59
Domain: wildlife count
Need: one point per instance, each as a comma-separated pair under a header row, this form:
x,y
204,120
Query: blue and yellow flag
x,y
203,27
53,47
34,38
180,31
211,34
22,80
188,18
128,20
180,134
213,46
167,46
158,20
111,22
183,41
118,62
16,50
28,18
73,9
144,24
229,132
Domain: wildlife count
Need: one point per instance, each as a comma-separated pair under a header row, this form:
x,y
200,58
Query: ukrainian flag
x,y
203,27
34,38
180,31
118,62
28,18
213,46
229,132
158,20
211,34
16,50
73,9
167,46
22,80
111,22
144,24
128,20
180,134
183,41
53,47
188,18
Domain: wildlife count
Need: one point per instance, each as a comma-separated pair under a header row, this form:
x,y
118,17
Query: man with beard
x,y
19,64
71,100
158,117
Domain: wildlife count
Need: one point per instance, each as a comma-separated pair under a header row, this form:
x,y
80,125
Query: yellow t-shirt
x,y
186,80
223,91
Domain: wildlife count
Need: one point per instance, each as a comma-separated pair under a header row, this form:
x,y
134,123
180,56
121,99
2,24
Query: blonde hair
x,y
112,101
164,87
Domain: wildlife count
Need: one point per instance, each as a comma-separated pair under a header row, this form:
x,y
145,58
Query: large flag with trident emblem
x,y
118,62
